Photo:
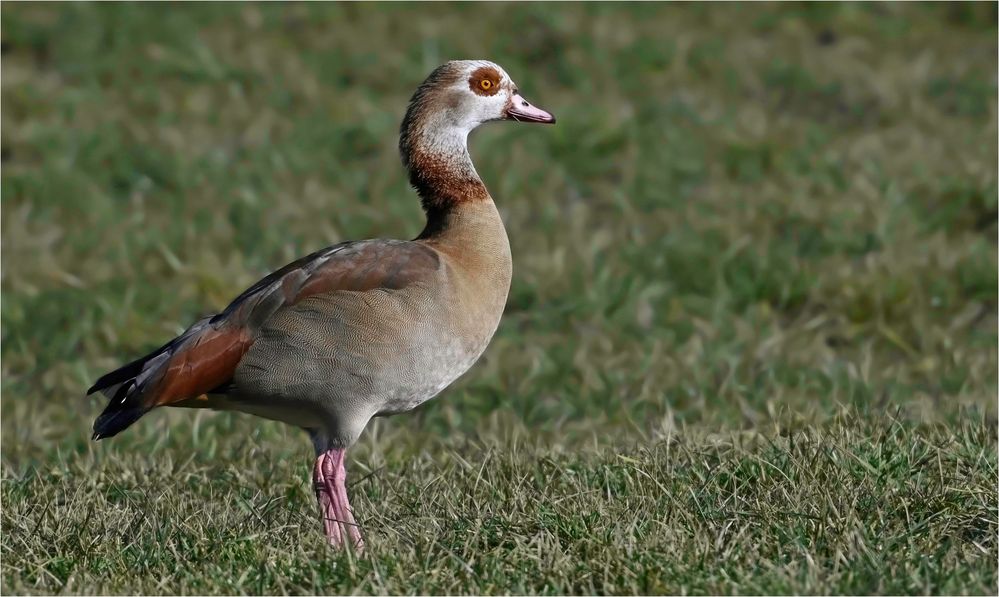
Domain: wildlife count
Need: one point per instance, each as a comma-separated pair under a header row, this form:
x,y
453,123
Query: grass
x,y
857,506
751,344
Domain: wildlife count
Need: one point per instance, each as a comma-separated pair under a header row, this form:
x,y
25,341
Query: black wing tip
x,y
110,424
120,375
124,409
103,433
130,370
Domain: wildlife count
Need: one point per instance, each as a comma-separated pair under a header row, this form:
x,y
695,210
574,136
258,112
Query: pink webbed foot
x,y
330,478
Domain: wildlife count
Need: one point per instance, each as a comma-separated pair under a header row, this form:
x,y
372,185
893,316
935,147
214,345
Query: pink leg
x,y
326,509
330,478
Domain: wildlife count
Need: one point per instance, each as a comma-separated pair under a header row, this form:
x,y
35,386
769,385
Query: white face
x,y
485,92
480,93
456,98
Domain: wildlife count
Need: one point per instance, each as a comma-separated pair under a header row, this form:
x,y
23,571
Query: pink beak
x,y
521,110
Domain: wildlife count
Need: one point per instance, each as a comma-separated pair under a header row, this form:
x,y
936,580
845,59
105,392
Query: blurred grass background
x,y
752,223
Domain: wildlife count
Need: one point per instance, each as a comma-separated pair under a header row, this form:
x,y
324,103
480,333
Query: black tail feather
x,y
120,375
125,391
127,372
110,424
122,410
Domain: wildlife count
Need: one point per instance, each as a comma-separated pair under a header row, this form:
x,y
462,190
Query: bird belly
x,y
299,413
430,375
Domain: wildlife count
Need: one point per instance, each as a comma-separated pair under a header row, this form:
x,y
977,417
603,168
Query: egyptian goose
x,y
359,329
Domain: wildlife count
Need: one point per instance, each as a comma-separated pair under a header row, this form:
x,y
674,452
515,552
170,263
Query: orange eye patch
x,y
484,81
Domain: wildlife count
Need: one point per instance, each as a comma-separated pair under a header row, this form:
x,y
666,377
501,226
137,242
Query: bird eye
x,y
486,84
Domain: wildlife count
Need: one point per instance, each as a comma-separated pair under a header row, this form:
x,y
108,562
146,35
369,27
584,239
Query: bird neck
x,y
435,154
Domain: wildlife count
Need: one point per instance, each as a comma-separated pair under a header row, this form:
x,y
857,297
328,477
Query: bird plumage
x,y
358,329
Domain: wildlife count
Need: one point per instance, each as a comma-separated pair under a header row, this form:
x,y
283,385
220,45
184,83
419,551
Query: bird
x,y
359,329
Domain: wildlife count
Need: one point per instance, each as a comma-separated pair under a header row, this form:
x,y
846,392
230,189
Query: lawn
x,y
751,344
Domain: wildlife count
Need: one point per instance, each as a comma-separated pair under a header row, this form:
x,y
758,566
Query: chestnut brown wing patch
x,y
206,363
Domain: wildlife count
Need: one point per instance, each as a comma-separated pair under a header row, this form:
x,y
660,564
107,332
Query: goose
x,y
362,328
